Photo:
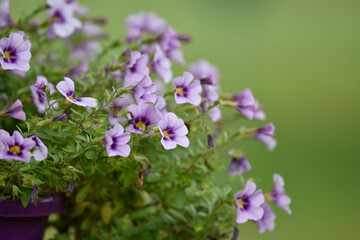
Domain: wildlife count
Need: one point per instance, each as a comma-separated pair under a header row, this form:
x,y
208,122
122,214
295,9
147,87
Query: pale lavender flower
x,y
5,19
259,114
248,203
170,44
15,147
187,91
160,105
115,107
67,89
80,69
266,136
15,52
238,166
40,153
205,72
38,93
143,116
214,114
269,141
116,140
136,68
61,16
245,103
173,131
15,111
144,91
143,22
278,194
84,50
210,94
267,222
161,65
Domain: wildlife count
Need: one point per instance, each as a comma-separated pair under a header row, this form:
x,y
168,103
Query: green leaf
x,y
25,197
177,214
106,212
81,195
90,154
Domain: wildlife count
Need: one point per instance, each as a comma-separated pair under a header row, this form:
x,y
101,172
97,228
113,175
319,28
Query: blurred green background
x,y
301,59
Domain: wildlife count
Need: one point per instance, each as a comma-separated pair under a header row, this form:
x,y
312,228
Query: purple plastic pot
x,y
17,222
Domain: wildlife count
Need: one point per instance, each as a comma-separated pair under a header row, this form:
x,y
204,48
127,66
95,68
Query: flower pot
x,y
17,222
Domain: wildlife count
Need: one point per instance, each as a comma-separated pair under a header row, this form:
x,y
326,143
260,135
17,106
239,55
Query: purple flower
x,y
116,141
170,44
115,107
5,19
162,65
143,116
15,111
258,112
205,72
61,16
67,89
143,22
245,103
39,95
40,153
16,147
187,91
214,114
266,136
278,194
136,68
268,129
267,222
173,131
248,202
238,166
15,52
144,91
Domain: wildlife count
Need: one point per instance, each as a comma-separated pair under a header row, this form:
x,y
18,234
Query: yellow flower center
x,y
140,125
112,110
166,134
180,91
7,55
15,149
71,98
240,202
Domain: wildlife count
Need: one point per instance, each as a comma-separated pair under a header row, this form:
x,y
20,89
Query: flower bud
x,y
211,143
34,193
140,180
61,118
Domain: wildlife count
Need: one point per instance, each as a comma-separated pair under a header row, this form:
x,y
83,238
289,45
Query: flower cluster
x,y
130,118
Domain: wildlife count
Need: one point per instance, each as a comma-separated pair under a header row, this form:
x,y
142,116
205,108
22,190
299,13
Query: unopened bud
x,y
71,185
148,169
34,193
186,38
140,180
211,143
61,118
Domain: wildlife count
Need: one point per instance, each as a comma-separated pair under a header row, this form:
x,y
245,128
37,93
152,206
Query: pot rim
x,y
49,205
